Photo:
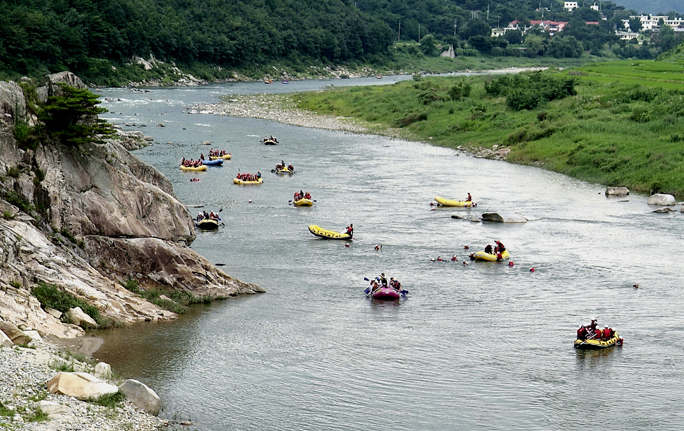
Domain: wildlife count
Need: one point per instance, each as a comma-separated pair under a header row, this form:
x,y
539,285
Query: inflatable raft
x,y
269,142
213,162
284,171
328,234
386,293
246,183
208,224
224,157
593,344
481,255
193,168
449,203
303,203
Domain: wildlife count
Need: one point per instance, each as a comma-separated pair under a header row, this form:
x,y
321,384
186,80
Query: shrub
x,y
50,296
676,138
640,114
460,90
7,215
13,171
131,285
18,201
110,401
412,118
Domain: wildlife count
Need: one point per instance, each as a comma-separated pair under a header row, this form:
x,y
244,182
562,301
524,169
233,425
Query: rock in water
x,y
142,396
504,217
617,191
80,385
661,199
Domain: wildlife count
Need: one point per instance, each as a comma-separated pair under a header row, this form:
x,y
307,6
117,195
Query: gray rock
x,y
504,217
617,191
664,210
103,370
661,199
142,396
54,313
53,409
12,104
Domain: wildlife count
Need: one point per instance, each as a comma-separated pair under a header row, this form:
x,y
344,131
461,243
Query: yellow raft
x,y
246,183
303,203
224,157
193,168
449,203
328,234
270,142
615,340
481,255
284,171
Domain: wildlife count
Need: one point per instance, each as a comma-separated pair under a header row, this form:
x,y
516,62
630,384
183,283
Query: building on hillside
x,y
498,32
626,35
650,22
552,27
570,5
594,7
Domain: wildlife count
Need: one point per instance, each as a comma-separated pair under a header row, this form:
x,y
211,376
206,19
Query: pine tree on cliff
x,y
72,118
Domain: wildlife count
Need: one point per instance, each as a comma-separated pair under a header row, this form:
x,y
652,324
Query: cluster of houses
x,y
648,22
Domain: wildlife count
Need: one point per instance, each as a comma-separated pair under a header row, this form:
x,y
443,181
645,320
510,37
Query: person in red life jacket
x,y
454,258
307,195
290,167
500,246
469,198
594,324
296,196
350,232
582,333
201,156
499,257
607,333
488,249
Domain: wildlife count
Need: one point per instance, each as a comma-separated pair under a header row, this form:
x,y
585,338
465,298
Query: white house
x,y
570,5
626,35
594,7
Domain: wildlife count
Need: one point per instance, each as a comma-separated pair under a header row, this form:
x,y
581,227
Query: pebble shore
x,y
282,108
25,372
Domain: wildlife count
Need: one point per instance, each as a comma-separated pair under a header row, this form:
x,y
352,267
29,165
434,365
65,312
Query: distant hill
x,y
652,7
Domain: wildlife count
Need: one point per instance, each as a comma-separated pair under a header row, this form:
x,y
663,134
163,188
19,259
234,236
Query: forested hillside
x,y
653,7
97,39
37,36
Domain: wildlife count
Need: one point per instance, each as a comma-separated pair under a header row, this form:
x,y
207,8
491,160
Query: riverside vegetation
x,y
618,124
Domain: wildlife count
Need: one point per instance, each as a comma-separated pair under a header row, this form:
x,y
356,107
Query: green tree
x,y
513,37
534,44
428,45
71,117
564,47
634,24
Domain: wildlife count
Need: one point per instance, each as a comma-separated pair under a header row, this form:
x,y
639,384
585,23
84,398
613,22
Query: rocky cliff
x,y
86,219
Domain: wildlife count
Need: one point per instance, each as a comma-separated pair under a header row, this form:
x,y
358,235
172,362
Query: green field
x,y
621,130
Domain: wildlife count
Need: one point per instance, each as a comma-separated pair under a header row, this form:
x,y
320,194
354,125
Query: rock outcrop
x,y
86,219
661,199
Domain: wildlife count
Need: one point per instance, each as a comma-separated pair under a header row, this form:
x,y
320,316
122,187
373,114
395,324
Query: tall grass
x,y
616,133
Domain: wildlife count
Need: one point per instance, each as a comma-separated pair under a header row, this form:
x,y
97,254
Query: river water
x,y
482,346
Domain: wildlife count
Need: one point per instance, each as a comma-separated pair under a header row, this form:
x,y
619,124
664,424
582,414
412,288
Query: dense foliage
x,y
530,91
49,35
50,296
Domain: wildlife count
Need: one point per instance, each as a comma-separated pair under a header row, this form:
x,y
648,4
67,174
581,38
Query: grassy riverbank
x,y
621,130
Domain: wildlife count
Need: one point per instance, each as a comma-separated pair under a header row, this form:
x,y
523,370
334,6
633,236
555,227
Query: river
x,y
477,346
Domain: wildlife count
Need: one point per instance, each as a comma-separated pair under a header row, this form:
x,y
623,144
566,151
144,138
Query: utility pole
x,y
455,21
487,12
399,39
418,33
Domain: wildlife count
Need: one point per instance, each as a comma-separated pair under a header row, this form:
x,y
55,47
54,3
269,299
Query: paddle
x,y
587,339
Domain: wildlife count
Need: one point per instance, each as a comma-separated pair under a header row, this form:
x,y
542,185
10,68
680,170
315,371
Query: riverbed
x,y
476,346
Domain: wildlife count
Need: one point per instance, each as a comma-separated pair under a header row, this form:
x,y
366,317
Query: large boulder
x,y
15,334
617,191
5,340
142,396
12,104
504,217
78,317
661,199
80,385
